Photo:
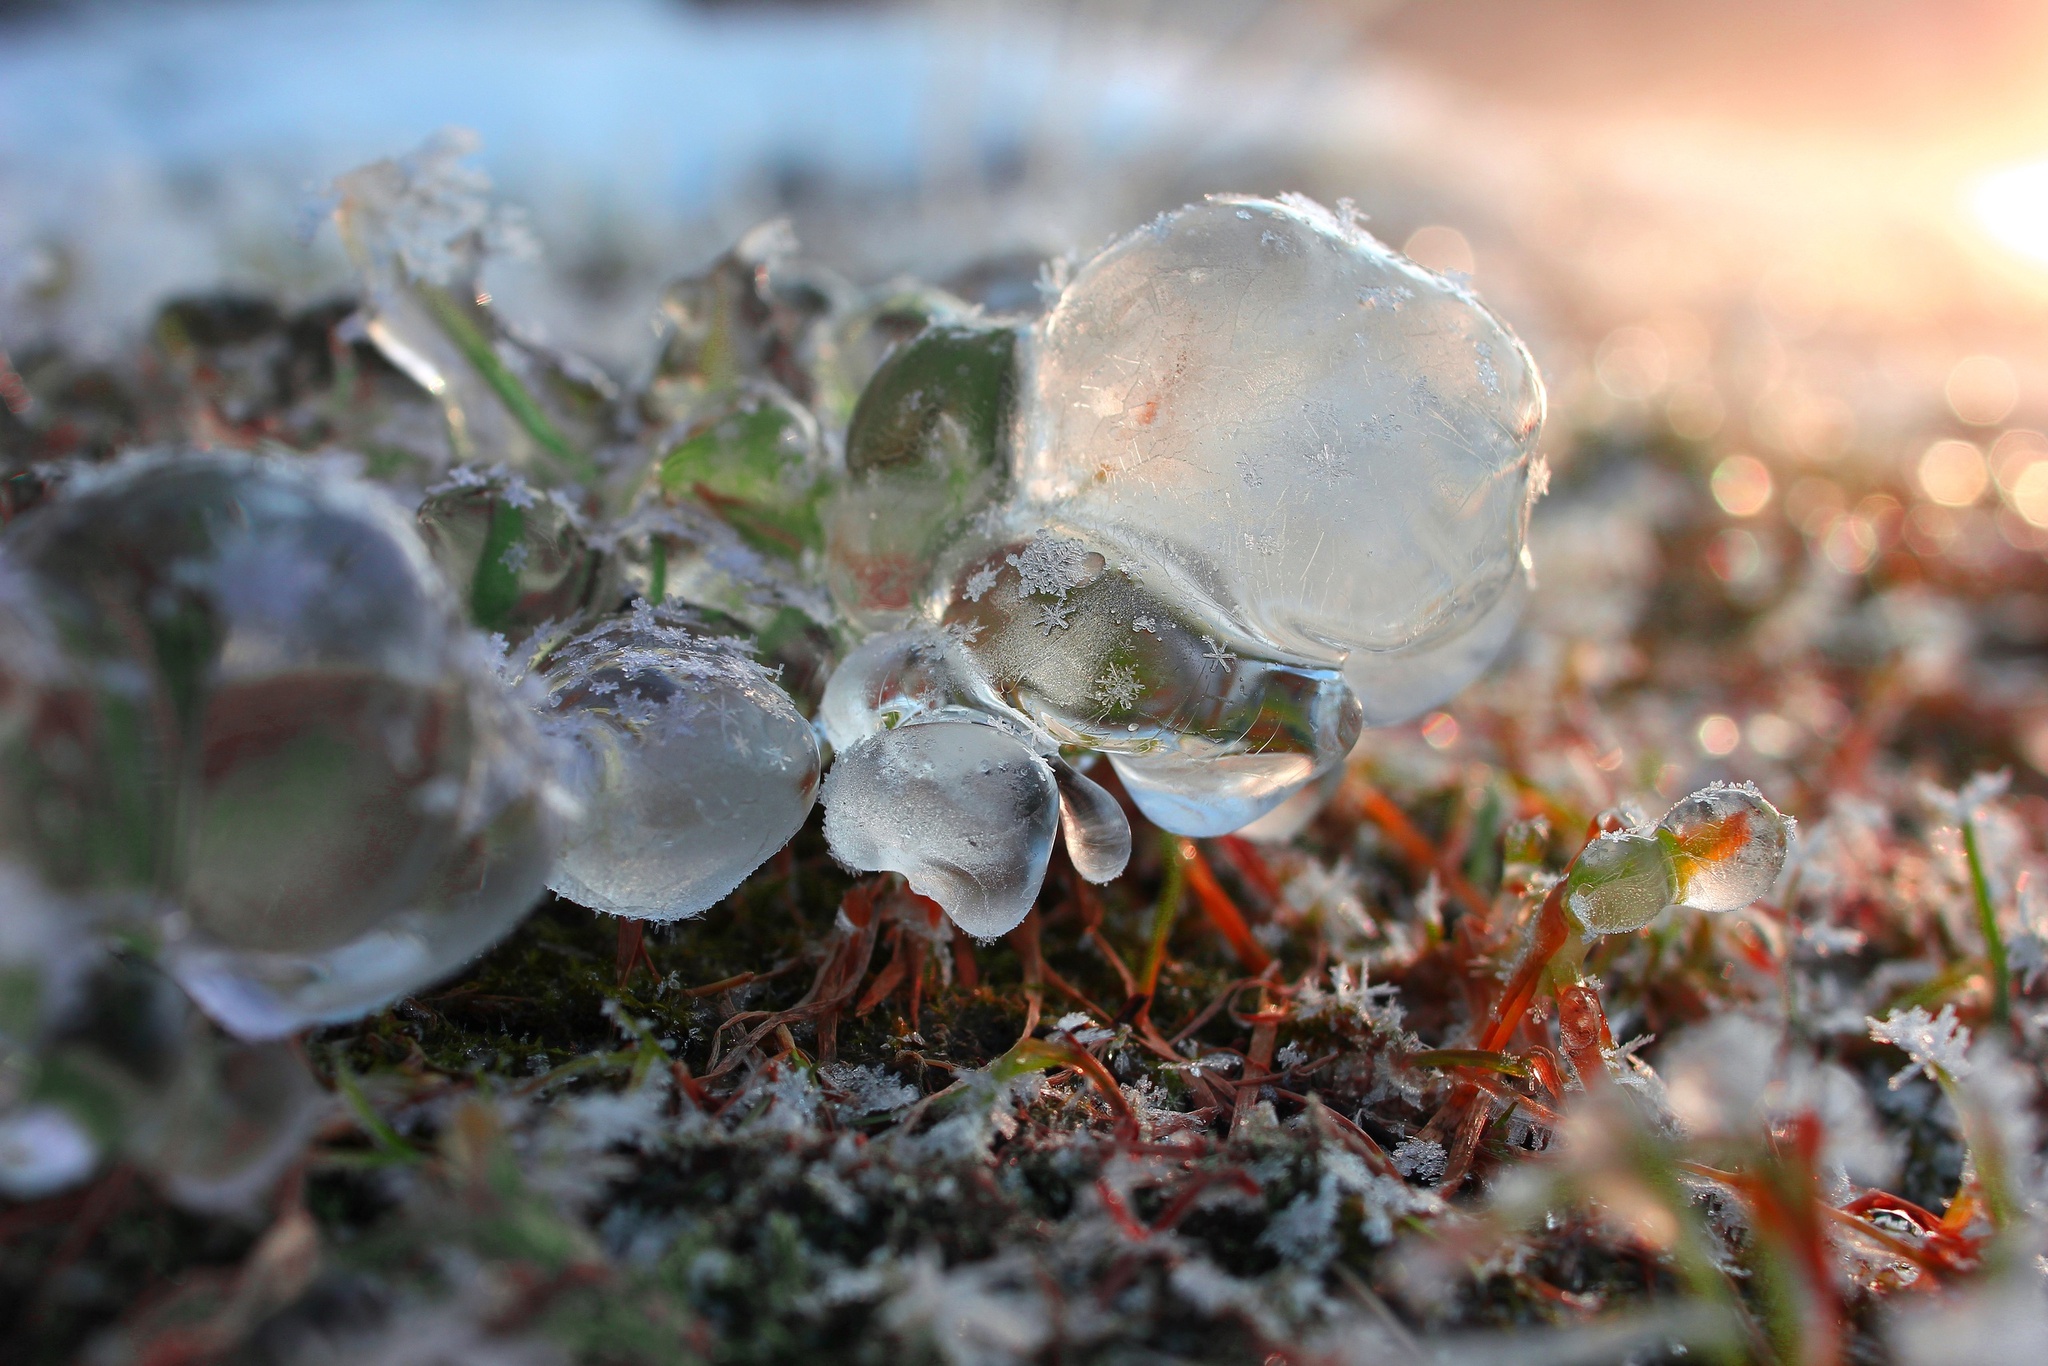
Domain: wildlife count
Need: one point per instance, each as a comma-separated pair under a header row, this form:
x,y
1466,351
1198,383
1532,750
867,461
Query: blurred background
x,y
1794,250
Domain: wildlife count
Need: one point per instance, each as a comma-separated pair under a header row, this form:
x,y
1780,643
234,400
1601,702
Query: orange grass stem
x,y
1420,851
1221,910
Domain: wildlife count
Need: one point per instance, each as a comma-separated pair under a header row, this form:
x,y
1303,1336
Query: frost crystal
x,y
1937,1044
1419,1159
1119,687
1051,565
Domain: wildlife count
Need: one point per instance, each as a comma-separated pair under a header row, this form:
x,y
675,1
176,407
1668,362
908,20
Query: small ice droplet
x,y
694,766
1728,846
515,559
1620,882
915,801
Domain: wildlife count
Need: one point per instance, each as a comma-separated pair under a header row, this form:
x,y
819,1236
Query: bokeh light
x,y
1742,485
1952,473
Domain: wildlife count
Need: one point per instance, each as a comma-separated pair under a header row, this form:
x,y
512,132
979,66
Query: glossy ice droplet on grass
x,y
515,556
1717,850
268,739
1620,882
964,810
692,766
1336,443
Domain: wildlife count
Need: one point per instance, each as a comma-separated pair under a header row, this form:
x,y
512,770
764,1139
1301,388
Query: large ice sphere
x,y
267,736
693,767
963,809
1336,442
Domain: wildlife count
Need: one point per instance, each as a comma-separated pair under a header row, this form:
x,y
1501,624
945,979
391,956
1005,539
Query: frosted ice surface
x,y
694,766
1338,443
964,810
269,737
1728,845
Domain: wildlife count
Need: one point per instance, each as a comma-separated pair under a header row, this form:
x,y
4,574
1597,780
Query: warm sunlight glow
x,y
2012,207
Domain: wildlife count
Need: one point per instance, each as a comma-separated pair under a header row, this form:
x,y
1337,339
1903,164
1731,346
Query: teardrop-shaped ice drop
x,y
694,767
963,810
1097,832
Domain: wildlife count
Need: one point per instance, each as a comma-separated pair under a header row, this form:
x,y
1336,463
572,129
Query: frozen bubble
x,y
1728,846
1272,403
270,737
964,810
1097,832
515,556
926,454
1620,882
693,766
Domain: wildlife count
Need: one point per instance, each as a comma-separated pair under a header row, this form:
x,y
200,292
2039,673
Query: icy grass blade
x,y
1987,921
469,339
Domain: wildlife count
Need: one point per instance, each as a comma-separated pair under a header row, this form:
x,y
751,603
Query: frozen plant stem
x,y
1987,921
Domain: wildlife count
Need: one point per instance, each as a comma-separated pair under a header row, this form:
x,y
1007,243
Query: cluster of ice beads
x,y
1718,850
1253,481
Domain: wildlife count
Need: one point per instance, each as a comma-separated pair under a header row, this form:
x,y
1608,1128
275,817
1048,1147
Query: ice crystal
x,y
1051,565
1937,1044
1119,687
